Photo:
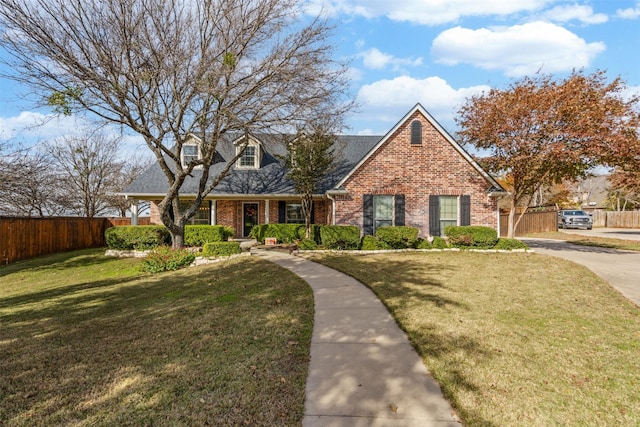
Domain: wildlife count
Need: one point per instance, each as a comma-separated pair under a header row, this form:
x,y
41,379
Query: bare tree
x,y
172,69
29,185
90,171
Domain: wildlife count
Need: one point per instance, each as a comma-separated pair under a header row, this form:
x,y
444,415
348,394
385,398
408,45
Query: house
x,y
415,175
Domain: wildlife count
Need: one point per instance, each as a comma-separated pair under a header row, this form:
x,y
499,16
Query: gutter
x,y
331,196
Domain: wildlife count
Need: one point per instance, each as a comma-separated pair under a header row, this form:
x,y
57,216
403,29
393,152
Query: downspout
x,y
333,208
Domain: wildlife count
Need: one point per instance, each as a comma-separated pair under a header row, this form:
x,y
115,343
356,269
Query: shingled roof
x,y
269,179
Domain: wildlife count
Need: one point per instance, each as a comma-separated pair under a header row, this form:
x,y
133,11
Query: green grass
x,y
602,242
513,339
90,340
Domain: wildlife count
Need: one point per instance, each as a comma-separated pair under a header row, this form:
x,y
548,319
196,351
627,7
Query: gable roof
x,y
270,179
497,188
350,152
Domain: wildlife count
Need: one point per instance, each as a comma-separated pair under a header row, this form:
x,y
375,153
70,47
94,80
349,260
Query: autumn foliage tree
x,y
169,71
542,130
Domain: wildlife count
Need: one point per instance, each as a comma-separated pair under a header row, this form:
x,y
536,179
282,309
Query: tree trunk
x,y
511,227
306,212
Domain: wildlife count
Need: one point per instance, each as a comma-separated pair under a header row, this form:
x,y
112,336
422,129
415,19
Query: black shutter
x,y
434,215
367,210
282,211
465,210
313,213
399,209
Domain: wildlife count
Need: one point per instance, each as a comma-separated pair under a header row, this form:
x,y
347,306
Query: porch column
x,y
266,212
134,211
214,212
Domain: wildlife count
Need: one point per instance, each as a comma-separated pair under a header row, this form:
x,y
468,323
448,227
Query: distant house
x,y
415,175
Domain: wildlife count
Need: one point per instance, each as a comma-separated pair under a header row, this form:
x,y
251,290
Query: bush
x,y
510,244
307,245
285,233
439,243
398,237
139,237
340,236
422,243
471,236
369,243
221,249
164,258
198,235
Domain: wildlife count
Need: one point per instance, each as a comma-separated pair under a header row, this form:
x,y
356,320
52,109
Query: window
x,y
448,211
382,211
416,132
294,213
202,215
248,159
190,152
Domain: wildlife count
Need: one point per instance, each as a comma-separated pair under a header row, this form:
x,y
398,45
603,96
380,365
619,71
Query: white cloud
x,y
32,125
31,128
377,60
577,12
629,13
386,101
516,51
427,12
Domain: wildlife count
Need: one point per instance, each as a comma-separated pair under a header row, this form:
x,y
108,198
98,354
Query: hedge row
x,y
142,237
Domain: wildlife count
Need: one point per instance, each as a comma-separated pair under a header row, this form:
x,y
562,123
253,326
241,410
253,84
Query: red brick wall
x,y
229,212
433,168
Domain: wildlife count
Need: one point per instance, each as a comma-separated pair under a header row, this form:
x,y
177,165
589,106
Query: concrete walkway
x,y
363,370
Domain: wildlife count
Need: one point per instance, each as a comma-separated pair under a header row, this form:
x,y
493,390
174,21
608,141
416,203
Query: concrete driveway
x,y
613,233
620,268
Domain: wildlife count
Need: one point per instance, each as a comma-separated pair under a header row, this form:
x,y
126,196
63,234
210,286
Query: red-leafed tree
x,y
541,130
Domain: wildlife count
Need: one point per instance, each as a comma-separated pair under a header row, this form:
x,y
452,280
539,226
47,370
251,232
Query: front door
x,y
249,217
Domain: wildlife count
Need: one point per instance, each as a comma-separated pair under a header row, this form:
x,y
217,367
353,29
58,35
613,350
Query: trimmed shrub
x,y
164,258
307,245
221,249
198,235
139,237
439,243
422,243
398,237
285,233
369,243
510,244
471,236
340,236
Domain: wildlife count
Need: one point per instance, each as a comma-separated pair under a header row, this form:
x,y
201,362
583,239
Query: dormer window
x,y
251,156
248,159
190,153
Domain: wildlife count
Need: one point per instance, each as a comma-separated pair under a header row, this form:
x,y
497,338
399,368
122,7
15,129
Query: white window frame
x,y
449,220
376,199
289,220
183,157
257,154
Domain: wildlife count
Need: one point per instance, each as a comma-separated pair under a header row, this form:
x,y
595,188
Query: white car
x,y
574,218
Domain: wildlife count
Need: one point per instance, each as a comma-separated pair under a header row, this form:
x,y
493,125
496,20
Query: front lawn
x,y
89,340
516,339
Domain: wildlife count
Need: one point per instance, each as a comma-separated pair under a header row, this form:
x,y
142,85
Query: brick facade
x,y
229,213
434,167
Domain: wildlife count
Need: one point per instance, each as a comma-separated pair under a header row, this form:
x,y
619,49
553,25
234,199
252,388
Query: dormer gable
x,y
191,150
251,157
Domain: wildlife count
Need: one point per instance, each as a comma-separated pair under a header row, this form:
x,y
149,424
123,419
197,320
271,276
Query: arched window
x,y
416,132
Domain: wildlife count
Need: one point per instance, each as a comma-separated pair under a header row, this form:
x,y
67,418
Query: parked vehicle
x,y
574,218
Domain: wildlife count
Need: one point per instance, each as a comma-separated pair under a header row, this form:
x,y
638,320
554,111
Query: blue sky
x,y
437,52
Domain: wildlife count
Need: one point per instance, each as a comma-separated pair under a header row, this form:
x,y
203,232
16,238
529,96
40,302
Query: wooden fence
x,y
615,219
23,238
531,222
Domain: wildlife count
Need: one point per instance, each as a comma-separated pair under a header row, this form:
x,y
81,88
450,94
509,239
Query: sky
x,y
437,53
